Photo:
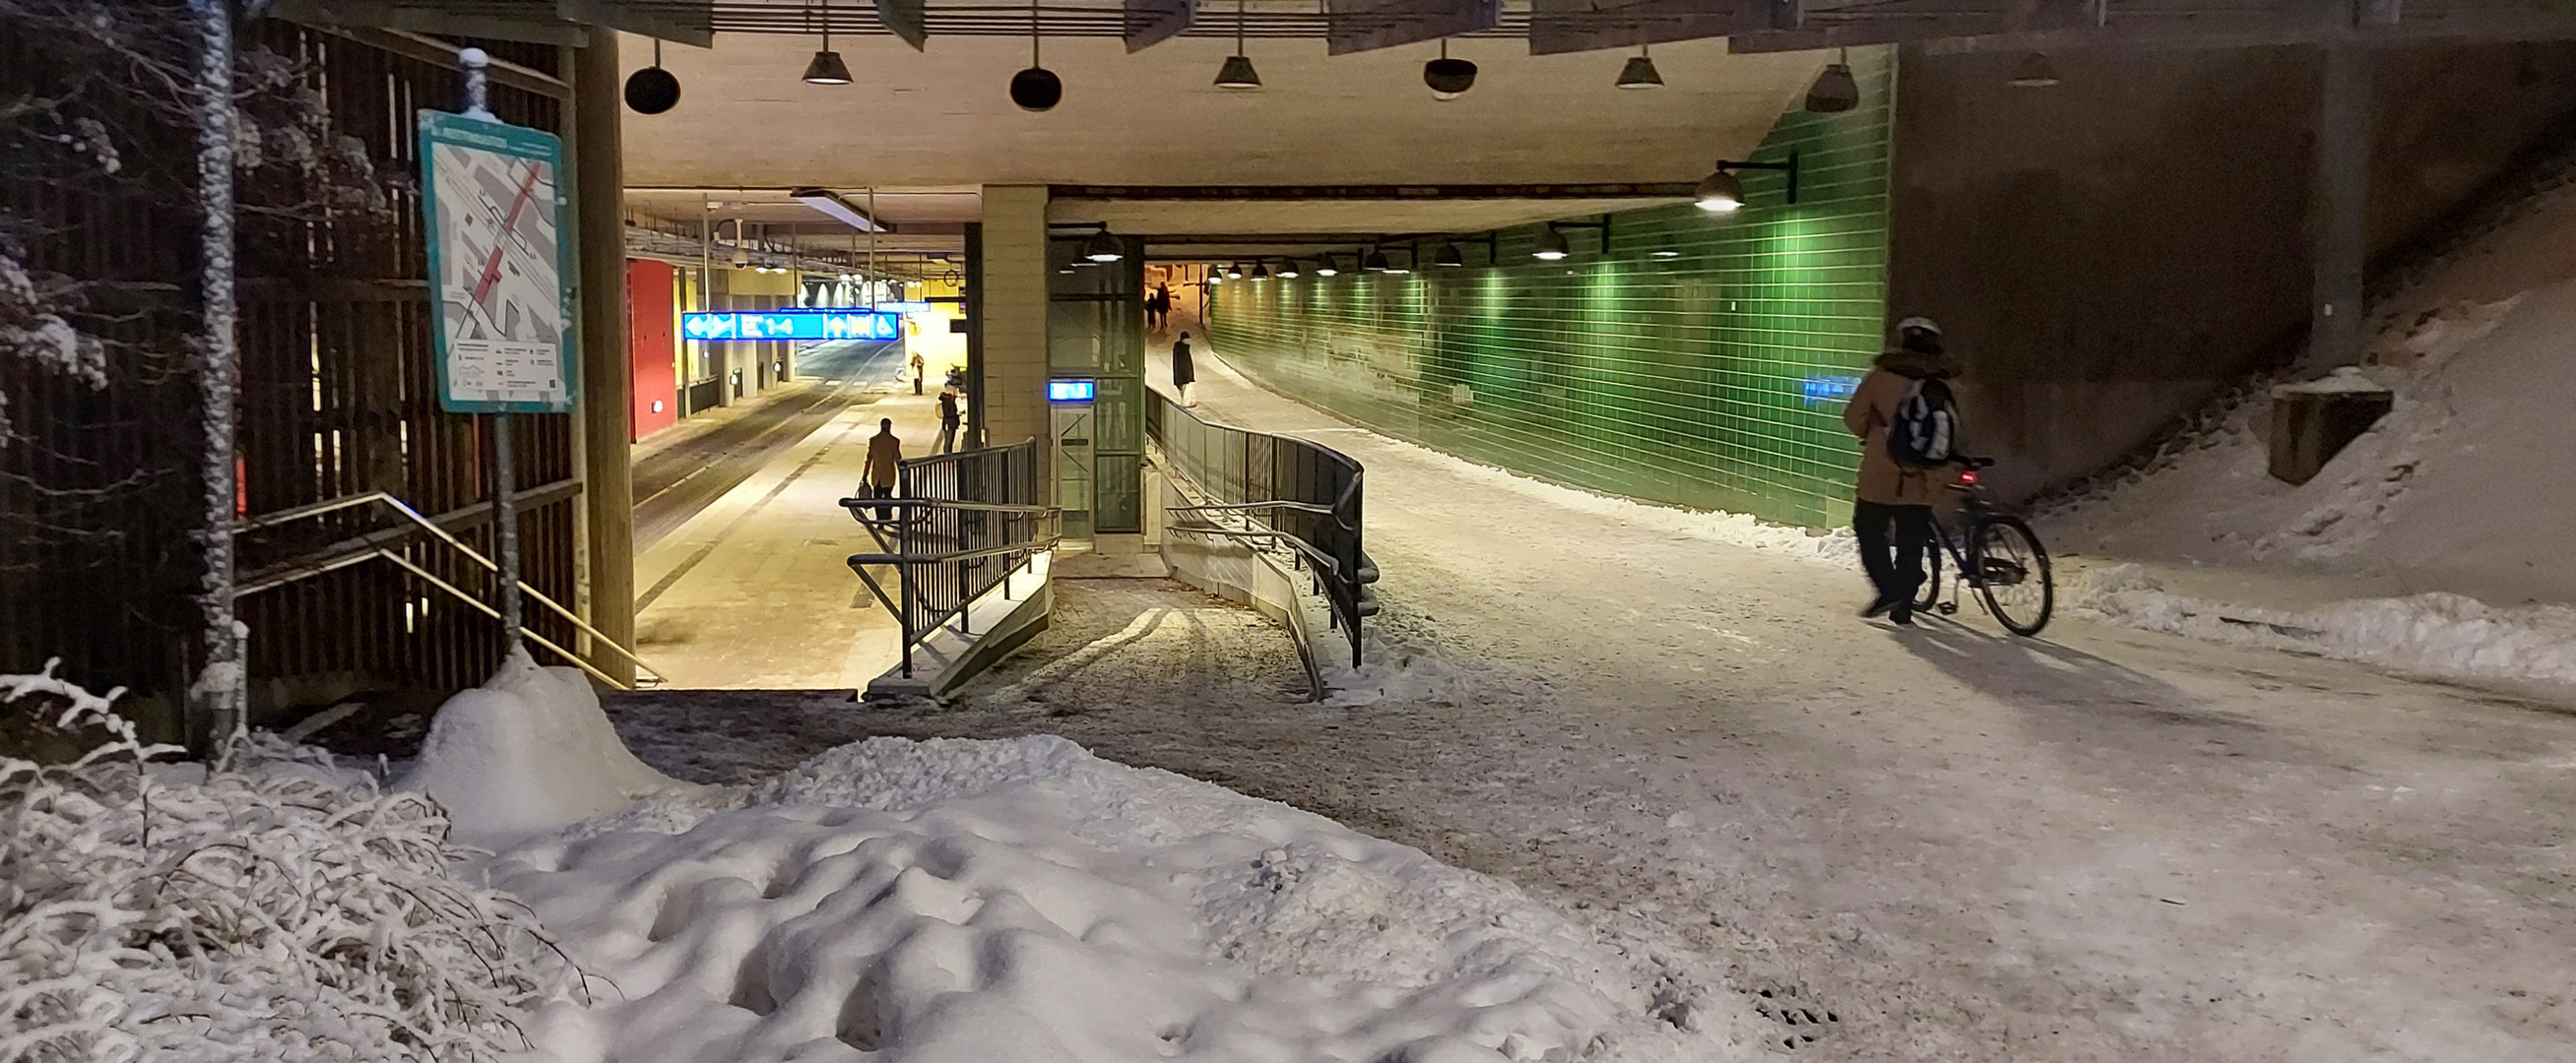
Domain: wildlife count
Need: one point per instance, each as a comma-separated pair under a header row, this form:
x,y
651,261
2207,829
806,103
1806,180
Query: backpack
x,y
1925,432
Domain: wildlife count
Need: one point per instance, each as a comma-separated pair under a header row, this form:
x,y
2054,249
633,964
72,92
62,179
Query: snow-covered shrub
x,y
282,910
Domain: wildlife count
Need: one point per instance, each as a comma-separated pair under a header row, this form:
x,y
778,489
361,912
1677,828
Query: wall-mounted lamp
x,y
1551,241
1720,192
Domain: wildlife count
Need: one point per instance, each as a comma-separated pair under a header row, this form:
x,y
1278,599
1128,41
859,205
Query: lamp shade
x,y
1835,90
1237,74
1448,255
1719,192
1376,260
2034,72
1449,78
1036,89
827,69
1640,74
652,90
1551,245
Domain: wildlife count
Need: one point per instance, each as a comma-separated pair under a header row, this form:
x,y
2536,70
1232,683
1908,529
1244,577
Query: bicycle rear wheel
x,y
2013,575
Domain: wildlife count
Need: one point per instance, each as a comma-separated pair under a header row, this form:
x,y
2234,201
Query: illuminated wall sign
x,y
906,307
1819,390
1071,390
791,325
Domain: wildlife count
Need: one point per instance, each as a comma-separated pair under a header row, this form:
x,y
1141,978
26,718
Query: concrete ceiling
x,y
927,128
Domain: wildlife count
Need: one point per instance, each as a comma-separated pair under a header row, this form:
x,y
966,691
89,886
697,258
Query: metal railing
x,y
961,525
1285,491
380,547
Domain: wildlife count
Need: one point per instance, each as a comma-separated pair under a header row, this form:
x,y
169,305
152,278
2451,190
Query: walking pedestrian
x,y
917,367
885,456
1182,371
1896,496
950,418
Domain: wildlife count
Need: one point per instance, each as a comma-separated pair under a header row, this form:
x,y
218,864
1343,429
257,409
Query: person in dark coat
x,y
1182,371
1891,496
950,419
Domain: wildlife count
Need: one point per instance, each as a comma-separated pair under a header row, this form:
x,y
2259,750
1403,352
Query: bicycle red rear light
x,y
1968,477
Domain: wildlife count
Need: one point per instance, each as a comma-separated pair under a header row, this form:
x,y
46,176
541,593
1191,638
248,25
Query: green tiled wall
x,y
1710,379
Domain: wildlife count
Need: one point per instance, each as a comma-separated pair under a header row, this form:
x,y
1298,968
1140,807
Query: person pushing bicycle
x,y
1908,426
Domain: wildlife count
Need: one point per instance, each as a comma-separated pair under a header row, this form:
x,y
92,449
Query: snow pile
x,y
2435,633
964,900
528,753
2480,353
283,911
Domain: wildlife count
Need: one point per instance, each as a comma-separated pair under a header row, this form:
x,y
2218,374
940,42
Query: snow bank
x,y
2480,354
896,901
282,911
2440,634
528,753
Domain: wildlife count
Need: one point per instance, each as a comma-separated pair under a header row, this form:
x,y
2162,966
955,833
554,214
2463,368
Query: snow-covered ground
x,y
893,900
2107,844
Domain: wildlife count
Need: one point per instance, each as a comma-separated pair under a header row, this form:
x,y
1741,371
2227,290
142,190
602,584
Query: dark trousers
x,y
875,491
916,383
947,436
1895,564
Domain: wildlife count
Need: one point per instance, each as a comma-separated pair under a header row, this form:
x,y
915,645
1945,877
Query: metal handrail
x,y
943,548
315,509
1239,473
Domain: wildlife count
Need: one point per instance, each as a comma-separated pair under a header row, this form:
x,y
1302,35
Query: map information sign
x,y
494,217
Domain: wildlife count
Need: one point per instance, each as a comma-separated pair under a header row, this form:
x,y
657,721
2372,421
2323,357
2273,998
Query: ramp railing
x,y
960,526
1301,496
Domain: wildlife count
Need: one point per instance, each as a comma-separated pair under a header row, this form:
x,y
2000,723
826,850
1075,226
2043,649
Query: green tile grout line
x,y
1704,380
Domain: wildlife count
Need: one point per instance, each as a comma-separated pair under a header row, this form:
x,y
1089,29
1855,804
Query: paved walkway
x,y
753,591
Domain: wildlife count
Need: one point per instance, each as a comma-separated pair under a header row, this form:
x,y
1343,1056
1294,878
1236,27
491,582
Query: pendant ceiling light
x,y
1260,271
1237,72
652,90
1640,72
1835,90
2034,72
1719,193
827,67
1036,88
1551,245
1375,262
1448,78
1103,247
1234,271
1288,269
1448,256
1324,267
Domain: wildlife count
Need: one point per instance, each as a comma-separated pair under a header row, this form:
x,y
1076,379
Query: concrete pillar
x,y
2339,210
1014,304
607,407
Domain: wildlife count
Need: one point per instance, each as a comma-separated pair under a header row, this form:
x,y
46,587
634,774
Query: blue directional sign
x,y
1072,390
809,324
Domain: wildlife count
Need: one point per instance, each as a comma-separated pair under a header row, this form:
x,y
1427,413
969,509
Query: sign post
x,y
493,204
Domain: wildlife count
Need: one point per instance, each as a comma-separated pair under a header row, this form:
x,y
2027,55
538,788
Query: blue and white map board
x,y
494,209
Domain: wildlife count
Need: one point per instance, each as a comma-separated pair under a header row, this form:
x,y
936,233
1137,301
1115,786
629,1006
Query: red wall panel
x,y
650,345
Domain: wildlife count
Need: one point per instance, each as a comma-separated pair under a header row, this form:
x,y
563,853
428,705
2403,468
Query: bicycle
x,y
1997,553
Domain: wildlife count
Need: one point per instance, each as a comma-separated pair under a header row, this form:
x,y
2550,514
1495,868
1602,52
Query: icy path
x,y
2108,845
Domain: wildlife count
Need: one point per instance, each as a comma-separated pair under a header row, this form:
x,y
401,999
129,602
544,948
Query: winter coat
x,y
1182,371
885,452
1873,408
